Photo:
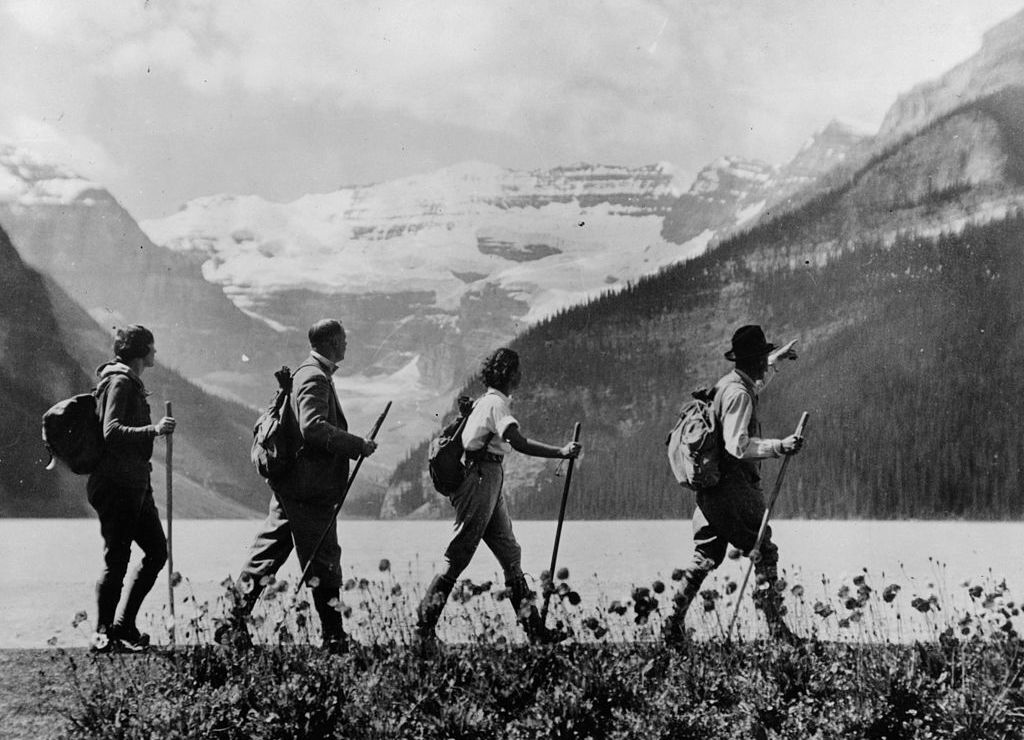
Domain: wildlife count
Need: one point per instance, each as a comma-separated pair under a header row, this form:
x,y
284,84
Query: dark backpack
x,y
73,433
274,442
444,455
694,443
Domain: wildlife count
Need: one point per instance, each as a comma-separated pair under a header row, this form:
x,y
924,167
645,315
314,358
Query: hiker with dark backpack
x,y
481,514
729,499
305,493
119,490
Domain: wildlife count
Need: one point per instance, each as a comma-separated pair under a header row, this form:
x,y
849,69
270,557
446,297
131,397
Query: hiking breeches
x,y
730,513
297,525
481,514
127,514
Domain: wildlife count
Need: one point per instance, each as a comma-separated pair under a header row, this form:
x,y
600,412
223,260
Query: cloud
x,y
79,153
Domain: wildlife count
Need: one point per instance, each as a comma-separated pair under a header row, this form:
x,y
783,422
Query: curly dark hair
x,y
498,367
132,342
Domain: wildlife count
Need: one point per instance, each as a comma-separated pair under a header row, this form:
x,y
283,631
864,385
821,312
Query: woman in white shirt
x,y
481,514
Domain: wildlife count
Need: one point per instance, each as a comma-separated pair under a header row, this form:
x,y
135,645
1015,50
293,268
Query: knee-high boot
x,y
674,627
429,611
768,598
325,600
522,597
242,595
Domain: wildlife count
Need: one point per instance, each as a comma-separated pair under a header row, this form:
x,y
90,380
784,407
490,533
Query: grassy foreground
x,y
949,689
875,663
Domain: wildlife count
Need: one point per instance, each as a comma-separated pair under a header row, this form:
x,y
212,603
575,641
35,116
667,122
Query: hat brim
x,y
766,349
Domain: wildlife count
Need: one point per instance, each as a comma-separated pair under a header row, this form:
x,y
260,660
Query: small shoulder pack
x,y
73,434
693,444
444,455
274,446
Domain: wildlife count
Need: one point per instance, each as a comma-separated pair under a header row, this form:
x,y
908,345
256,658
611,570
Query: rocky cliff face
x,y
998,64
75,231
48,349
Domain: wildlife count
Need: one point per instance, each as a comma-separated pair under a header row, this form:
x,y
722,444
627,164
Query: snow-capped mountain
x,y
544,239
430,272
74,231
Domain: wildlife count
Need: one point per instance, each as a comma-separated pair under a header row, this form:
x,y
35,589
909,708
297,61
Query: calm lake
x,y
48,568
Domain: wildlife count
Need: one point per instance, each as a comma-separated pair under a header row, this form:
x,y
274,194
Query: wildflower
x,y
396,590
246,585
563,574
350,584
52,641
363,584
889,592
677,574
617,607
858,580
175,579
99,641
823,610
384,565
591,623
227,583
975,591
80,616
267,580
658,586
797,591
730,587
600,632
922,605
574,598
313,582
734,554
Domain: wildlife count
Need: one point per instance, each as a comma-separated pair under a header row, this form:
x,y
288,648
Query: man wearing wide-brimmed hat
x,y
730,511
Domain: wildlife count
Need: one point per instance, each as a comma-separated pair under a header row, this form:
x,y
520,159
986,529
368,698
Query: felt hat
x,y
747,342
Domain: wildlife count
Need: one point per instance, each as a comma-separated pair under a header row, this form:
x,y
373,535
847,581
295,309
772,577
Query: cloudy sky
x,y
167,100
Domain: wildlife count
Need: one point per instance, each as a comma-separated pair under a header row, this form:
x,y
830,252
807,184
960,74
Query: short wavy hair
x,y
324,331
498,367
132,342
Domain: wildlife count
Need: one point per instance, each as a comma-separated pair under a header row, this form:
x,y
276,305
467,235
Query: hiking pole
x,y
755,553
169,468
344,495
558,530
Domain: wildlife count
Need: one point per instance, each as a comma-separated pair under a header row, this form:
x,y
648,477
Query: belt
x,y
478,456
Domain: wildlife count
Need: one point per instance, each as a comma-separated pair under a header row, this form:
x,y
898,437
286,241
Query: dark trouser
x,y
730,513
127,514
292,524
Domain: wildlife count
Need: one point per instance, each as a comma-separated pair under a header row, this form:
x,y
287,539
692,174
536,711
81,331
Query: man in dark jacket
x,y
302,506
120,492
730,511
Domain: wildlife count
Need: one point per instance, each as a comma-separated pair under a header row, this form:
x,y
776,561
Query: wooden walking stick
x,y
755,553
558,530
344,495
169,467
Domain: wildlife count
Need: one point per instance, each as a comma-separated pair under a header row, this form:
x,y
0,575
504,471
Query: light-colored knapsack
x,y
694,444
